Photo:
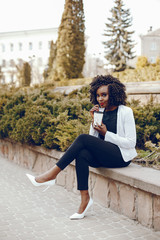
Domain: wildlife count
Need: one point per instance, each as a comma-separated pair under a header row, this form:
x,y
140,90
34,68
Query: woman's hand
x,y
93,109
101,129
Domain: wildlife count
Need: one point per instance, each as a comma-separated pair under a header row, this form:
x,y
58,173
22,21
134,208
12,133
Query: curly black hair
x,y
117,94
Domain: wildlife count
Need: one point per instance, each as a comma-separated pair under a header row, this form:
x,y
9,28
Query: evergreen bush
x,y
143,72
147,119
53,120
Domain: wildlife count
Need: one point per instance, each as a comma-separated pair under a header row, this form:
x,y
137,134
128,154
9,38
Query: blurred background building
x,y
30,46
33,46
150,45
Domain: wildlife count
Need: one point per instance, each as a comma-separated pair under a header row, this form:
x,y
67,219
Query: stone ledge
x,y
146,179
133,191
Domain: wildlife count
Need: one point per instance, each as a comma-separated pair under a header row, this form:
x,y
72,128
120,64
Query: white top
x,y
125,138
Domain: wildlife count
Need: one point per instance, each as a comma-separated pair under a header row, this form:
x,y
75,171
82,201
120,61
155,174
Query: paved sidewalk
x,y
27,213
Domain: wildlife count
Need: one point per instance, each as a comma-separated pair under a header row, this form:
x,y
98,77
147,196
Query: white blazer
x,y
125,138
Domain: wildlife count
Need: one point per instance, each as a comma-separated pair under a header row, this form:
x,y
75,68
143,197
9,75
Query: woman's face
x,y
103,96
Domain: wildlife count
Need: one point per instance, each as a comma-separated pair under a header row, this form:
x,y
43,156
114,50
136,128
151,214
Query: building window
x,y
3,47
11,47
20,46
153,46
40,61
3,63
12,63
40,45
30,45
152,59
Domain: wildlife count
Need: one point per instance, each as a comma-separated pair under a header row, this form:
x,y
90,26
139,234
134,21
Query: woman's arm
x,y
129,132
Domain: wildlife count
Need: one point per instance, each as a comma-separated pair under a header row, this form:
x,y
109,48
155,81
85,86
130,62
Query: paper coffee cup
x,y
98,118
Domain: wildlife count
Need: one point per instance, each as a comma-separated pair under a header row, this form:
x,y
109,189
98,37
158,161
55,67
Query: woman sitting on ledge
x,y
110,144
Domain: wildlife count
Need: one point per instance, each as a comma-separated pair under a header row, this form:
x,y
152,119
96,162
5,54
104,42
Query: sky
x,y
38,14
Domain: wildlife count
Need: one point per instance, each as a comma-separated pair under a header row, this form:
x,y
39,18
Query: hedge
x,y
53,120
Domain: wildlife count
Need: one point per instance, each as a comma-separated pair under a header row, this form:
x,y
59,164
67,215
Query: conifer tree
x,y
1,75
51,60
119,45
70,42
24,74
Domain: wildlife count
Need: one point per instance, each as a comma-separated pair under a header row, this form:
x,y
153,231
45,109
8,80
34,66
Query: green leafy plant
x,y
151,156
54,120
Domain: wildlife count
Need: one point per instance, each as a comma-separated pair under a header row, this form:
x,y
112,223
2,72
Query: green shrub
x,y
3,102
31,126
147,119
53,120
67,132
143,72
142,62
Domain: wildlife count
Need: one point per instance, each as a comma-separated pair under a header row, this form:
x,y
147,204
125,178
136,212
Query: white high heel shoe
x,y
82,215
36,184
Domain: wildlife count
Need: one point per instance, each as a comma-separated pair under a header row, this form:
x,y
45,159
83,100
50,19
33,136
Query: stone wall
x,y
142,91
133,191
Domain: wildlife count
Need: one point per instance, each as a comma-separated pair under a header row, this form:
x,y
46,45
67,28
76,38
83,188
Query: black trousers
x,y
91,151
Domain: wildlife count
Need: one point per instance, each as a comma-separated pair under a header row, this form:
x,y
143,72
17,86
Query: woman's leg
x,y
83,149
83,161
84,200
101,154
49,175
65,160
105,155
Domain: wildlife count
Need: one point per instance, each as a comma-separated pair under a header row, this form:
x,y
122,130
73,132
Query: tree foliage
x,y
142,62
24,74
51,61
144,71
70,42
119,45
1,75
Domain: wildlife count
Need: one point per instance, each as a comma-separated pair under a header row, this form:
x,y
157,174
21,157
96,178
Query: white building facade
x,y
33,46
150,45
30,45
